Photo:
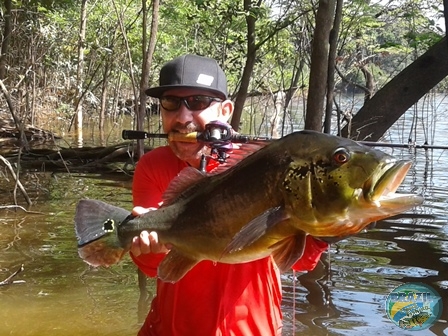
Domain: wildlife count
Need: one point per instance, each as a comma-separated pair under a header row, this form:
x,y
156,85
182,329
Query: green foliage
x,y
387,36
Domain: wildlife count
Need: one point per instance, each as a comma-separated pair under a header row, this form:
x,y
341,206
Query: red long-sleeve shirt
x,y
212,298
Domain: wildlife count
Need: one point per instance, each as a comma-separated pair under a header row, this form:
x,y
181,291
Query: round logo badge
x,y
414,306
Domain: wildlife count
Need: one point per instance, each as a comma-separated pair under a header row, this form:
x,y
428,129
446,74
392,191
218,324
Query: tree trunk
x,y
396,97
6,38
445,13
248,68
319,65
146,65
298,68
104,89
80,71
331,66
120,17
370,83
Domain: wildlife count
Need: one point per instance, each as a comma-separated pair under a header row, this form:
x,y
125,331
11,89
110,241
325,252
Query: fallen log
x,y
115,158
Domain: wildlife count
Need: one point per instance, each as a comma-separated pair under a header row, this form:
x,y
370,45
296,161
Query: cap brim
x,y
158,91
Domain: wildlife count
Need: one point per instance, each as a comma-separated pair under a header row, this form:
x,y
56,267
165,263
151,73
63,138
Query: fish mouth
x,y
376,199
380,189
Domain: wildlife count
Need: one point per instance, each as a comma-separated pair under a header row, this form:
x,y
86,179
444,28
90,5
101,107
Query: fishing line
x,y
241,138
294,302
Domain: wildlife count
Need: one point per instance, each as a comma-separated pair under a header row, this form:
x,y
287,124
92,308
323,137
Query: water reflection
x,y
61,295
344,295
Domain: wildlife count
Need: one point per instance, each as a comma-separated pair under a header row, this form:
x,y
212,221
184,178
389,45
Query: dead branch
x,y
14,206
346,80
17,121
14,176
9,280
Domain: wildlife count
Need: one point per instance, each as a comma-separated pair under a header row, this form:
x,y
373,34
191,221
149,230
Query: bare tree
x,y
148,51
80,71
248,67
380,112
6,38
252,47
319,65
331,66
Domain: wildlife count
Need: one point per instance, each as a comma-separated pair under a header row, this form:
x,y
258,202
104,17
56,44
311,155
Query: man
x,y
213,298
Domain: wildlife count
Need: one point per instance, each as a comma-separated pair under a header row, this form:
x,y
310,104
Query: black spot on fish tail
x,y
94,219
109,225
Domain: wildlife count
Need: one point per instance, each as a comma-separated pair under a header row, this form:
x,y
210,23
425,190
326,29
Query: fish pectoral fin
x,y
256,228
289,250
174,266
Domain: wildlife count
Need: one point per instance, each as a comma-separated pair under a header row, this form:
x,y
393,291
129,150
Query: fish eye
x,y
341,155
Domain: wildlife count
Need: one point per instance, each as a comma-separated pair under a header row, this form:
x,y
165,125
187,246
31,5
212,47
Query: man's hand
x,y
147,242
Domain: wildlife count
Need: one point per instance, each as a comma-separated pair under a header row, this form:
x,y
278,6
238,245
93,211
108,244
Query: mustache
x,y
189,128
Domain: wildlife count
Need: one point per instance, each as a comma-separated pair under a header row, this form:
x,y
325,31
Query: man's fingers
x,y
135,246
156,247
145,243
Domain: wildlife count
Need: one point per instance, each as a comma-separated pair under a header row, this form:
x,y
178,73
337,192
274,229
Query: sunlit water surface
x,y
345,294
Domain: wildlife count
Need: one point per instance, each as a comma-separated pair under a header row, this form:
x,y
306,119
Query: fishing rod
x,y
399,145
220,134
215,132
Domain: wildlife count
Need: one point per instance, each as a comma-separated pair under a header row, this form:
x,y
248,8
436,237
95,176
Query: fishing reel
x,y
216,131
218,136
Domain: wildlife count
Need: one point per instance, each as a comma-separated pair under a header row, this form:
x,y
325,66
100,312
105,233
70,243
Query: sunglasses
x,y
193,103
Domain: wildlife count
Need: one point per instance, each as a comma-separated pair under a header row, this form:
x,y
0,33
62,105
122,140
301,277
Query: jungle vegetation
x,y
75,59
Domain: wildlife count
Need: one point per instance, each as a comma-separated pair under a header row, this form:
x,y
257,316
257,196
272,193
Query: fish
x,y
306,183
416,320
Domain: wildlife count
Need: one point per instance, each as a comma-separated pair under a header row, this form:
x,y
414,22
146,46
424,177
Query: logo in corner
x,y
413,306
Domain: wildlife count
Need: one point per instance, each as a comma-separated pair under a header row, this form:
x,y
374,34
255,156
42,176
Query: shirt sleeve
x,y
146,185
311,255
153,173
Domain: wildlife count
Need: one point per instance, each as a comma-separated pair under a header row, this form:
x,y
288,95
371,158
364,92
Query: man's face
x,y
184,120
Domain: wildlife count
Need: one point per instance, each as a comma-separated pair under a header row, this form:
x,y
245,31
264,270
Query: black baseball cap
x,y
191,71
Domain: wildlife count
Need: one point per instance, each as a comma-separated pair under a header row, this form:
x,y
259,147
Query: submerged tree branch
x,y
9,280
19,125
15,206
14,176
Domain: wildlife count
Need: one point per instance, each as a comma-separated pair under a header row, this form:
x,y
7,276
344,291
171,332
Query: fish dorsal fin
x,y
238,153
289,250
187,177
256,228
174,266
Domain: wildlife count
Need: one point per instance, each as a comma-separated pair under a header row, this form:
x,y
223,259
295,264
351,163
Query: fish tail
x,y
96,226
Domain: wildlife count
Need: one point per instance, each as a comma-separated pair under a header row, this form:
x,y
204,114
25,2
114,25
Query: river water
x,y
58,294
